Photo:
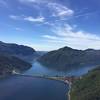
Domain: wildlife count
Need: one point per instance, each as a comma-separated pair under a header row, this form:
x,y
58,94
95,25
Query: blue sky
x,y
51,24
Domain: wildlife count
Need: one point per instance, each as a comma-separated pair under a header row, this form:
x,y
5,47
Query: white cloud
x,y
69,31
67,36
50,37
60,10
14,17
33,1
56,9
49,23
28,18
18,29
38,19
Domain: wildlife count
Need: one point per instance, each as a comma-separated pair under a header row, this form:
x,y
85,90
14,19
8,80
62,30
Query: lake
x,y
38,69
28,88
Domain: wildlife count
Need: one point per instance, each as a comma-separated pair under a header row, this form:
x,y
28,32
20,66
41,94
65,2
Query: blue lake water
x,y
38,69
28,88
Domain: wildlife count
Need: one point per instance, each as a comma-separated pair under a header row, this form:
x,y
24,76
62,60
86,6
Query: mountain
x,y
88,87
23,52
14,56
10,63
41,53
65,58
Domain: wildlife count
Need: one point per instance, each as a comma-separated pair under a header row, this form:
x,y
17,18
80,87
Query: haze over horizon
x,y
51,24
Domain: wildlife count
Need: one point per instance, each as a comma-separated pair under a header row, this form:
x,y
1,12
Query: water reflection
x,y
38,69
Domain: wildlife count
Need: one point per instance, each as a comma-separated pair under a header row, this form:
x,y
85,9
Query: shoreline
x,y
54,79
69,97
51,78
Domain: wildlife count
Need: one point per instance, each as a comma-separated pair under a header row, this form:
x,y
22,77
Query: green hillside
x,y
87,88
65,58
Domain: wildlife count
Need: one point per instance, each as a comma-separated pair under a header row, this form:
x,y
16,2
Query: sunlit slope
x,y
88,88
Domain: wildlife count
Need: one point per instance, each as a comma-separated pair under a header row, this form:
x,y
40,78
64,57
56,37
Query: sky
x,y
51,24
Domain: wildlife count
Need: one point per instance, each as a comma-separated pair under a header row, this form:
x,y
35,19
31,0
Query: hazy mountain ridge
x,y
14,56
10,63
23,52
67,57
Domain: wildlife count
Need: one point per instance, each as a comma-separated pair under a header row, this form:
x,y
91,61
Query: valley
x,y
15,69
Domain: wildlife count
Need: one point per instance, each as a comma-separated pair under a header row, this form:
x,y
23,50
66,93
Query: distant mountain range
x,y
23,52
41,53
14,56
65,58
